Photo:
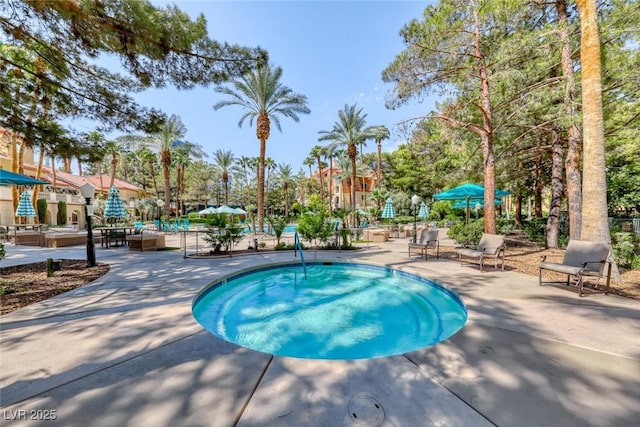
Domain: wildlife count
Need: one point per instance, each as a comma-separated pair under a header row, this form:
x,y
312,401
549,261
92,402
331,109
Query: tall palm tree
x,y
595,226
380,133
344,164
244,162
170,132
113,149
317,152
183,155
224,162
269,164
309,161
150,158
349,131
330,152
286,178
265,99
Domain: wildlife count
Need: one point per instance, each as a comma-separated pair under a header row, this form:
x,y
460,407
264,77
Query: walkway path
x,y
125,351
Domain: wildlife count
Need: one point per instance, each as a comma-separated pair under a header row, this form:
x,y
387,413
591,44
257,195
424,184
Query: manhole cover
x,y
366,411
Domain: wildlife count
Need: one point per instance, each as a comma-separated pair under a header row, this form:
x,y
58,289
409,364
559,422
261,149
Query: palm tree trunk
x,y
114,165
166,186
595,224
379,162
263,151
574,138
36,189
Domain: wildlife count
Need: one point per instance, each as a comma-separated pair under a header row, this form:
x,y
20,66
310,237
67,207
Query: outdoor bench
x,y
58,240
145,241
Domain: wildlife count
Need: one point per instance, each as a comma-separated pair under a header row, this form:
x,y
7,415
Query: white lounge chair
x,y
490,246
428,239
581,259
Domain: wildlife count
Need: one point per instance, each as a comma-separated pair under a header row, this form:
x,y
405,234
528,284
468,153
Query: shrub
x,y
626,247
61,217
278,223
221,233
535,229
467,235
41,206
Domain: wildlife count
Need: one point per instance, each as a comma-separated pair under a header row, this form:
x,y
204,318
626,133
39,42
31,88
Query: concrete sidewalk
x,y
126,351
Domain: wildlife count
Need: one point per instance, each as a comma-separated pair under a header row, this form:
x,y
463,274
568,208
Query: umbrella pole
x,y
467,210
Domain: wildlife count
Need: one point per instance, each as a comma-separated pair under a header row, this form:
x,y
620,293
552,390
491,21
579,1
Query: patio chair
x,y
490,246
428,239
581,259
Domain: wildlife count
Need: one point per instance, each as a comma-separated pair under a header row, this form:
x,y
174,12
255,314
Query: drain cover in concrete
x,y
366,411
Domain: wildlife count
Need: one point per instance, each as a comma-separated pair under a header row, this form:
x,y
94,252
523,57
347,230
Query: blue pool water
x,y
340,311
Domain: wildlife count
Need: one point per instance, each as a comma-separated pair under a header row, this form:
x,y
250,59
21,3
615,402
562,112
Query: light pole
x,y
159,204
477,208
88,191
414,201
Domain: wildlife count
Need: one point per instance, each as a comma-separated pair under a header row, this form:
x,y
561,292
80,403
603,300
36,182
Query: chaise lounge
x,y
581,259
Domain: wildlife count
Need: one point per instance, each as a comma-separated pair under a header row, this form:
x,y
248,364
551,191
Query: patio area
x,y
126,351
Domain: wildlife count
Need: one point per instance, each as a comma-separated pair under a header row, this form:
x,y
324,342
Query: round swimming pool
x,y
339,311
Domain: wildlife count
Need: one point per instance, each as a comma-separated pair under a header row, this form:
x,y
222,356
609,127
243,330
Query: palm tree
x,y
182,157
112,148
344,164
245,162
269,164
264,98
150,158
318,152
224,162
164,142
286,178
170,132
330,152
350,131
380,133
309,161
595,225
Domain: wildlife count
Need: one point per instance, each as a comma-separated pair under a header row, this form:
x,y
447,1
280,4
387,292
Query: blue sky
x,y
331,51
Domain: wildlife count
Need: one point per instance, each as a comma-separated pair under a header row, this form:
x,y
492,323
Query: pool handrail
x,y
297,246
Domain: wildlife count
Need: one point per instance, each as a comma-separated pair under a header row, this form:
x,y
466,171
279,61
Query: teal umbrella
x,y
467,192
25,207
424,211
115,206
10,178
388,211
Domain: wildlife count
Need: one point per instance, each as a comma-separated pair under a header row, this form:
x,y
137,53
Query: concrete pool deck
x,y
125,351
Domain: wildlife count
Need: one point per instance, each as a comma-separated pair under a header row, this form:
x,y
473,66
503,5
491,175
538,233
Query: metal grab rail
x,y
297,246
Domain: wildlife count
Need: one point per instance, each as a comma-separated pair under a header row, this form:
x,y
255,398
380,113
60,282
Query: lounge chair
x,y
490,246
581,259
428,239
